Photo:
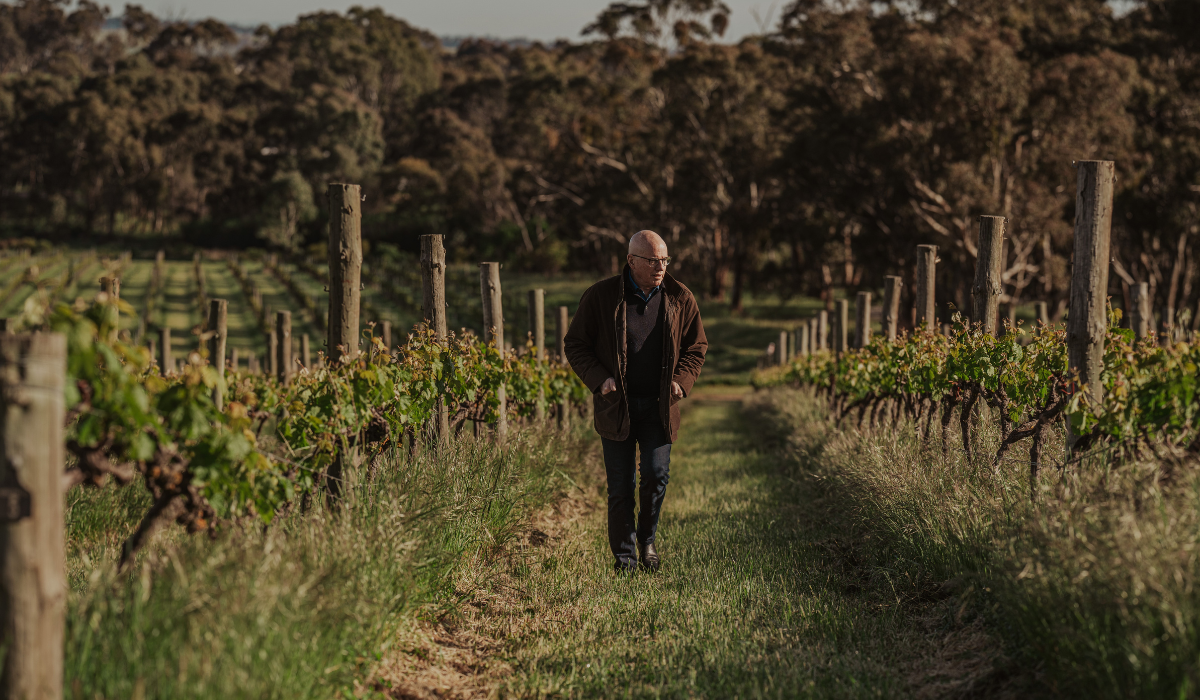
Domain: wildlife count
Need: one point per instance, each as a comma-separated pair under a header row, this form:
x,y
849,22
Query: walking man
x,y
637,342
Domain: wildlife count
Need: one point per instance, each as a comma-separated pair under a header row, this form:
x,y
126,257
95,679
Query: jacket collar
x,y
633,287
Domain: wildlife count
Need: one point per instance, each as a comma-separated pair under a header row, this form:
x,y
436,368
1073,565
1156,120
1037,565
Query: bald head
x,y
647,250
648,244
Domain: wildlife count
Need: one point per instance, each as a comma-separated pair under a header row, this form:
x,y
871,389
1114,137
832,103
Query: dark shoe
x,y
625,567
648,556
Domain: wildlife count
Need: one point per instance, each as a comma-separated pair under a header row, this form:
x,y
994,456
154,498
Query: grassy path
x,y
760,593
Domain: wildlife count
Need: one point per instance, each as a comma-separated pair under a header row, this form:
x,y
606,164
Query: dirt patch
x,y
462,655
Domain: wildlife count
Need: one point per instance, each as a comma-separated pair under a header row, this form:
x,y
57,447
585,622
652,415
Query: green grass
x,y
759,595
1091,585
303,608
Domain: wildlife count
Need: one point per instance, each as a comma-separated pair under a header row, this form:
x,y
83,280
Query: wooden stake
x,y
283,346
989,266
537,329
781,349
385,330
862,320
841,326
217,329
1139,316
823,330
892,286
802,336
926,270
1089,273
561,324
537,322
1043,313
493,330
166,363
33,582
272,353
305,357
433,309
433,284
233,360
345,269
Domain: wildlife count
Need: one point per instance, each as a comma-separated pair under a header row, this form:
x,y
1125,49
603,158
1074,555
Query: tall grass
x,y
298,609
1092,581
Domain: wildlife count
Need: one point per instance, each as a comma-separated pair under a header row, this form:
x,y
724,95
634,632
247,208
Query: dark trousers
x,y
645,432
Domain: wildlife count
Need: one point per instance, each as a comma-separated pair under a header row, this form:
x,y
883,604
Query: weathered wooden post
x,y
862,320
283,346
813,345
385,330
537,329
1087,322
166,363
233,359
218,310
781,349
892,285
345,270
433,309
272,353
561,324
926,272
33,581
1139,316
989,266
823,330
802,336
1043,313
493,331
252,363
841,323
305,356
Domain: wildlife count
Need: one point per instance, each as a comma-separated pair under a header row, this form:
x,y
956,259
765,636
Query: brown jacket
x,y
596,349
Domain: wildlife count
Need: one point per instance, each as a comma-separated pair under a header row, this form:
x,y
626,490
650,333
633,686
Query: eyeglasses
x,y
664,261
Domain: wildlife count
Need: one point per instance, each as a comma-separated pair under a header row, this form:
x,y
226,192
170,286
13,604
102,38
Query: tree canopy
x,y
814,156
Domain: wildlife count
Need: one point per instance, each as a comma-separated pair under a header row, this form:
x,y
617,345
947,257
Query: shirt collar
x,y
637,290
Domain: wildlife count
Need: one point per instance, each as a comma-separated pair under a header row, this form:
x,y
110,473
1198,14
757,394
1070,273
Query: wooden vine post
x,y
781,348
561,323
891,306
823,330
926,271
345,269
1088,320
233,359
166,363
218,310
1043,314
537,328
345,285
813,345
283,346
841,330
385,332
989,266
272,353
433,310
493,331
802,340
305,352
33,581
1139,315
862,320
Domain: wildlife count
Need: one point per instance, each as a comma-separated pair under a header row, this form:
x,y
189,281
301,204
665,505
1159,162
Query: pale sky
x,y
544,20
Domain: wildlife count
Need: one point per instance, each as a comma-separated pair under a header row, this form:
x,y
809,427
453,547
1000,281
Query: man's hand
x,y
609,386
676,390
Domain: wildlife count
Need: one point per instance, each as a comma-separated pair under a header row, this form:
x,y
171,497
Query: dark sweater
x,y
644,342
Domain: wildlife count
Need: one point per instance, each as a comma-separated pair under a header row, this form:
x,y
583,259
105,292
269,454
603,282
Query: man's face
x,y
645,263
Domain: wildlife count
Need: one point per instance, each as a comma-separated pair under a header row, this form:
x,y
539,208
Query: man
x,y
637,342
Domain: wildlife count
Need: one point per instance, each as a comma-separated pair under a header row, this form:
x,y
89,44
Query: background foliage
x,y
812,156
